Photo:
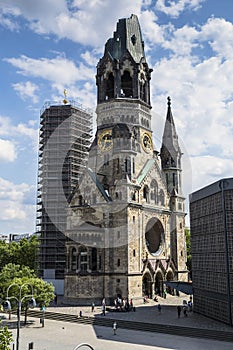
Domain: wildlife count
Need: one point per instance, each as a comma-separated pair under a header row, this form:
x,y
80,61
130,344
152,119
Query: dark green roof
x,y
99,185
145,171
127,37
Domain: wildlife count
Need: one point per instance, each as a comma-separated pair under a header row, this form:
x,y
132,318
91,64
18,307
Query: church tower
x,y
124,219
170,155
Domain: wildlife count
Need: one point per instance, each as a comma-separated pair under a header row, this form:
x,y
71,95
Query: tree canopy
x,y
24,278
22,253
188,247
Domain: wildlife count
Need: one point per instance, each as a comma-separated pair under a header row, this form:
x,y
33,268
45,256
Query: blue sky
x,y
49,45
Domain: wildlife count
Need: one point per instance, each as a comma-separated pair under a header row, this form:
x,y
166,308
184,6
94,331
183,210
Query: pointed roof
x,y
170,137
127,37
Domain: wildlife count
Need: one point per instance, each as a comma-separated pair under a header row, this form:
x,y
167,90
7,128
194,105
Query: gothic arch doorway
x,y
147,285
170,277
159,284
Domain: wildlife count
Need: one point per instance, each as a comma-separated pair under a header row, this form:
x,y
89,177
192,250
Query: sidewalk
x,y
59,335
149,313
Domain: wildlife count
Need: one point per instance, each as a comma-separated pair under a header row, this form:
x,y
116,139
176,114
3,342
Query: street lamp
x,y
83,347
19,299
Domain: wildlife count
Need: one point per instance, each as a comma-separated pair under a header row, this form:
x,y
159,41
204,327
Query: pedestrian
x,y
80,313
178,311
103,309
159,308
165,294
185,308
114,326
92,307
190,305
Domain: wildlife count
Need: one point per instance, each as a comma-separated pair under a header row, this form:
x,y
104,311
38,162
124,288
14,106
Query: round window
x,y
154,236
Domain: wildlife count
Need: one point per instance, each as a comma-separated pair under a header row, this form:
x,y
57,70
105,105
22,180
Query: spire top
x,y
169,112
169,101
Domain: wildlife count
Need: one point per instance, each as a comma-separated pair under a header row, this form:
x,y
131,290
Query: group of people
x,y
123,304
120,304
187,307
103,307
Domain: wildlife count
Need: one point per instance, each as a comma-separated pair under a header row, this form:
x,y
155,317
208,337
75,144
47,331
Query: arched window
x,y
161,197
83,259
94,259
73,259
127,84
110,86
154,191
146,193
80,200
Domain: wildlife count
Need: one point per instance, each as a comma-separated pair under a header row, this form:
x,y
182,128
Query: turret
x,y
170,154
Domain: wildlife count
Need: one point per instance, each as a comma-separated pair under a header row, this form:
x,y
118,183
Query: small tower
x,y
171,154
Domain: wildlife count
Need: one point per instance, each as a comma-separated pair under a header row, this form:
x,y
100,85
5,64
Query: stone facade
x,y
126,219
211,219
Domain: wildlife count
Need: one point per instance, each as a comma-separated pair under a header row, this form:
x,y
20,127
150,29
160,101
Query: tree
x,y
22,253
5,338
188,247
28,250
11,274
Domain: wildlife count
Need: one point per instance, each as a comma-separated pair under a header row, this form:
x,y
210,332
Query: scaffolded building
x,y
65,138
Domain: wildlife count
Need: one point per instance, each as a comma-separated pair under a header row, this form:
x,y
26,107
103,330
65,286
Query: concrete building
x,y
65,137
126,218
211,220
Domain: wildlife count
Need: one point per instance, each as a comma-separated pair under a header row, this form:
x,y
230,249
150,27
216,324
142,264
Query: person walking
x,y
103,309
185,309
92,307
178,311
114,326
159,308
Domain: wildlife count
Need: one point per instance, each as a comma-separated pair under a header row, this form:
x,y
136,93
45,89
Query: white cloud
x,y
61,73
72,19
200,87
219,34
208,169
16,133
58,69
27,90
16,212
183,41
8,23
151,30
89,58
175,8
7,151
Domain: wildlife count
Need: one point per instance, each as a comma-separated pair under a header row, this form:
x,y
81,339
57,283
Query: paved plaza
x,y
61,335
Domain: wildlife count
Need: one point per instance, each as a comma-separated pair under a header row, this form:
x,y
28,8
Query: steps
x,y
133,325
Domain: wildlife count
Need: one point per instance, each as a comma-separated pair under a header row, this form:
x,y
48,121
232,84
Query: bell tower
x,y
123,71
121,212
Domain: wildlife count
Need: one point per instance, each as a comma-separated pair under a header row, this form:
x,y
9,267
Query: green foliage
x,y
5,338
16,276
43,291
9,273
188,246
22,253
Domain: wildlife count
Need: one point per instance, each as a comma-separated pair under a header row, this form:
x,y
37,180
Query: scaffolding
x,y
64,141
